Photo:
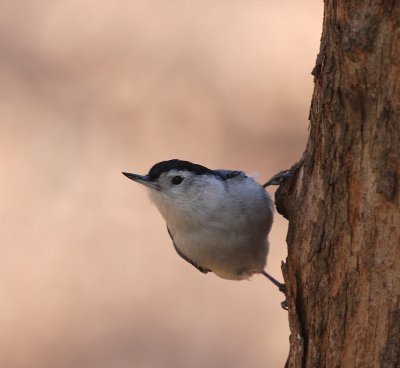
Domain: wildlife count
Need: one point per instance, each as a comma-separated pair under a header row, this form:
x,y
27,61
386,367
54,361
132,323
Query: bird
x,y
218,220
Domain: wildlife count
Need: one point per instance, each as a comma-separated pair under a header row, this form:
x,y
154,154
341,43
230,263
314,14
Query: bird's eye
x,y
176,180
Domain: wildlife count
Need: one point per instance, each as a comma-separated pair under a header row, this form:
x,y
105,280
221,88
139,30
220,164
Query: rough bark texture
x,y
343,265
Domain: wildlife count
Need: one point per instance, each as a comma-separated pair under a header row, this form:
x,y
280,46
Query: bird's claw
x,y
279,178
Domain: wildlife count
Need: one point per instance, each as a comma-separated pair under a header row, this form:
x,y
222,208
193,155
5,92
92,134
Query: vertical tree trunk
x,y
343,206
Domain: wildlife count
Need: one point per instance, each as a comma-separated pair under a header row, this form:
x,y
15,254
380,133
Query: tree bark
x,y
343,205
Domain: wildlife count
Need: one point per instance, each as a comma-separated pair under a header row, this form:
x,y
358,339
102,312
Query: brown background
x,y
88,274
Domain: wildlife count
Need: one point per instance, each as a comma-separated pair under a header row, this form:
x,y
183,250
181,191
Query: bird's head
x,y
181,187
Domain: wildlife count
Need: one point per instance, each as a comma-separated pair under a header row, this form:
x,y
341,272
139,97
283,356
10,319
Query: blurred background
x,y
88,274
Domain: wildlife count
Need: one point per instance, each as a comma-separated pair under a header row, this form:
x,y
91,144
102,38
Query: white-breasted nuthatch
x,y
218,220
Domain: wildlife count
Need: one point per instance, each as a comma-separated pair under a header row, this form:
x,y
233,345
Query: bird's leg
x,y
279,178
281,287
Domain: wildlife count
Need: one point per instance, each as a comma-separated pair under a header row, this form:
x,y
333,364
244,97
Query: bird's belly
x,y
229,255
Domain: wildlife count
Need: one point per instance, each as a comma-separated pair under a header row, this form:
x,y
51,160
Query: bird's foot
x,y
282,288
279,178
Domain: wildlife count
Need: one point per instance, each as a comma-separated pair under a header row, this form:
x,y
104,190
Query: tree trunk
x,y
343,205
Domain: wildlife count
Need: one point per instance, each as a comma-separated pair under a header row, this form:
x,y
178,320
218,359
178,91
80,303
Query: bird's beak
x,y
141,179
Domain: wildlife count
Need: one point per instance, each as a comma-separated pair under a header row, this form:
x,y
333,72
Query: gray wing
x,y
185,257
